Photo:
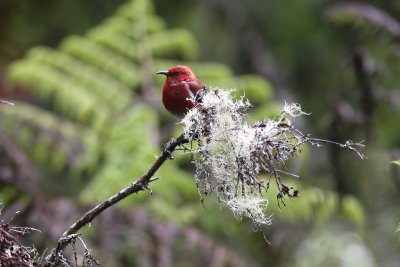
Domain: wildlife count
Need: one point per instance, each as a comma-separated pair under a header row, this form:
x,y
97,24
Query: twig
x,y
6,102
140,185
349,145
317,141
12,251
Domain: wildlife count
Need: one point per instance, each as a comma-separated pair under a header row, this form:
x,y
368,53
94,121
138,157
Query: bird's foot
x,y
169,152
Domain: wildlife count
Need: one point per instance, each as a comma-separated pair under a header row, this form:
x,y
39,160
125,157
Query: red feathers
x,y
181,91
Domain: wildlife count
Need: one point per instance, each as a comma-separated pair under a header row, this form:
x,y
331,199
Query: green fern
x,y
111,91
51,142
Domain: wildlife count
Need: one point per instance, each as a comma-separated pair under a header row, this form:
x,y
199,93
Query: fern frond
x,y
103,58
51,142
67,96
112,91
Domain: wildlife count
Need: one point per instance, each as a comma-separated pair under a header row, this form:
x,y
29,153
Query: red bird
x,y
182,90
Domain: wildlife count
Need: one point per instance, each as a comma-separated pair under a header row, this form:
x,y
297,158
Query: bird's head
x,y
179,73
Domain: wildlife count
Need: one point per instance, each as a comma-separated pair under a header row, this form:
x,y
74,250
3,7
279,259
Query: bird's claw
x,y
170,153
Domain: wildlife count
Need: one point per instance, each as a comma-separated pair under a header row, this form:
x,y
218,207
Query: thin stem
x,y
6,102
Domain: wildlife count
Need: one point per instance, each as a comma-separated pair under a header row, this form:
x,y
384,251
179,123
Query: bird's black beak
x,y
163,72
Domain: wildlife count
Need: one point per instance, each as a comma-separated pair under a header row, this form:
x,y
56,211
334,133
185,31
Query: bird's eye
x,y
176,73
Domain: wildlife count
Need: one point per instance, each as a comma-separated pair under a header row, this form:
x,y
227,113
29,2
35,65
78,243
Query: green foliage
x,y
166,44
51,142
103,58
127,154
353,210
94,81
253,87
267,110
70,99
397,162
317,205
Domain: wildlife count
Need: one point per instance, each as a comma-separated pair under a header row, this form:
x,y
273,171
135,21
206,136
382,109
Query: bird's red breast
x,y
181,91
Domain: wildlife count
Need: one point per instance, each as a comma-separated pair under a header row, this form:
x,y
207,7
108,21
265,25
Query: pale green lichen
x,y
225,155
231,154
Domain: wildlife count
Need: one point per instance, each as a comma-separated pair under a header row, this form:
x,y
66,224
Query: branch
x,y
141,184
6,102
367,97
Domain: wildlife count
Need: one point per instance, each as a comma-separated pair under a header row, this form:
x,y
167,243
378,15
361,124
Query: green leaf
x,y
395,162
353,210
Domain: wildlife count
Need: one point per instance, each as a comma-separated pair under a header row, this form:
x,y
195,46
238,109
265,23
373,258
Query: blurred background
x,y
88,120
